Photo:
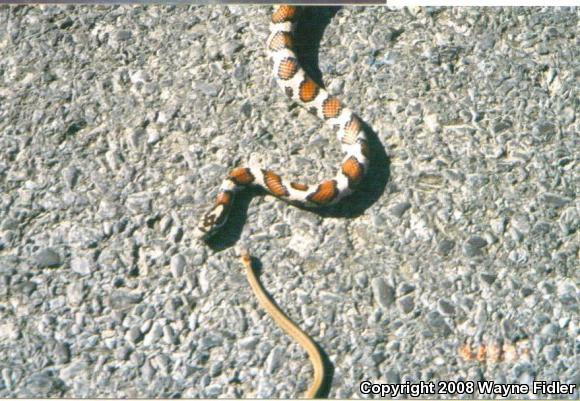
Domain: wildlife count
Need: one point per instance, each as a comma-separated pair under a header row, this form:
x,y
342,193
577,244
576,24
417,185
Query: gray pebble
x,y
216,369
521,222
210,341
70,176
199,257
177,265
436,321
10,331
383,293
40,384
137,359
134,335
28,288
169,335
123,35
361,279
230,48
551,352
474,245
139,203
501,125
405,288
147,371
400,208
213,391
407,303
122,299
274,360
206,89
75,293
161,363
249,343
82,265
72,370
154,334
62,353
149,313
48,258
446,307
445,246
544,128
204,282
555,200
122,353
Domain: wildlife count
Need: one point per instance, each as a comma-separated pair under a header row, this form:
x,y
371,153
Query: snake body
x,y
288,326
302,89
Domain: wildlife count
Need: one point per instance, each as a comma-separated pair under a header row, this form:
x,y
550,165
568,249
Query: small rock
x,y
169,335
154,334
400,208
81,265
9,331
139,203
70,176
134,335
249,343
204,282
72,370
545,129
361,279
445,246
147,371
121,299
473,246
40,384
405,288
274,360
122,353
551,352
62,353
75,293
48,258
446,307
489,278
554,199
383,293
210,341
435,319
213,391
216,369
123,35
392,376
230,48
207,89
177,265
500,125
407,303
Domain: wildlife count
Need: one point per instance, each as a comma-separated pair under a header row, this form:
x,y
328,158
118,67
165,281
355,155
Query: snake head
x,y
211,222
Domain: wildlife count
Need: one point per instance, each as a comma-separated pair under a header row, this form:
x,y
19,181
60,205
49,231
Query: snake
x,y
302,89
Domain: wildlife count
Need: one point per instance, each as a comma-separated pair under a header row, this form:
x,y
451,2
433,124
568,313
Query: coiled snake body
x,y
297,85
303,90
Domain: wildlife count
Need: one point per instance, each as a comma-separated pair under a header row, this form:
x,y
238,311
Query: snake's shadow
x,y
309,32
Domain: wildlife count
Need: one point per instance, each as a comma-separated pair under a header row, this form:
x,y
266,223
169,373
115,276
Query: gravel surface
x,y
117,124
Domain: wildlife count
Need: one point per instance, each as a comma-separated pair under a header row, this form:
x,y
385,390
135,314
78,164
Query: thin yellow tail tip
x,y
245,254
